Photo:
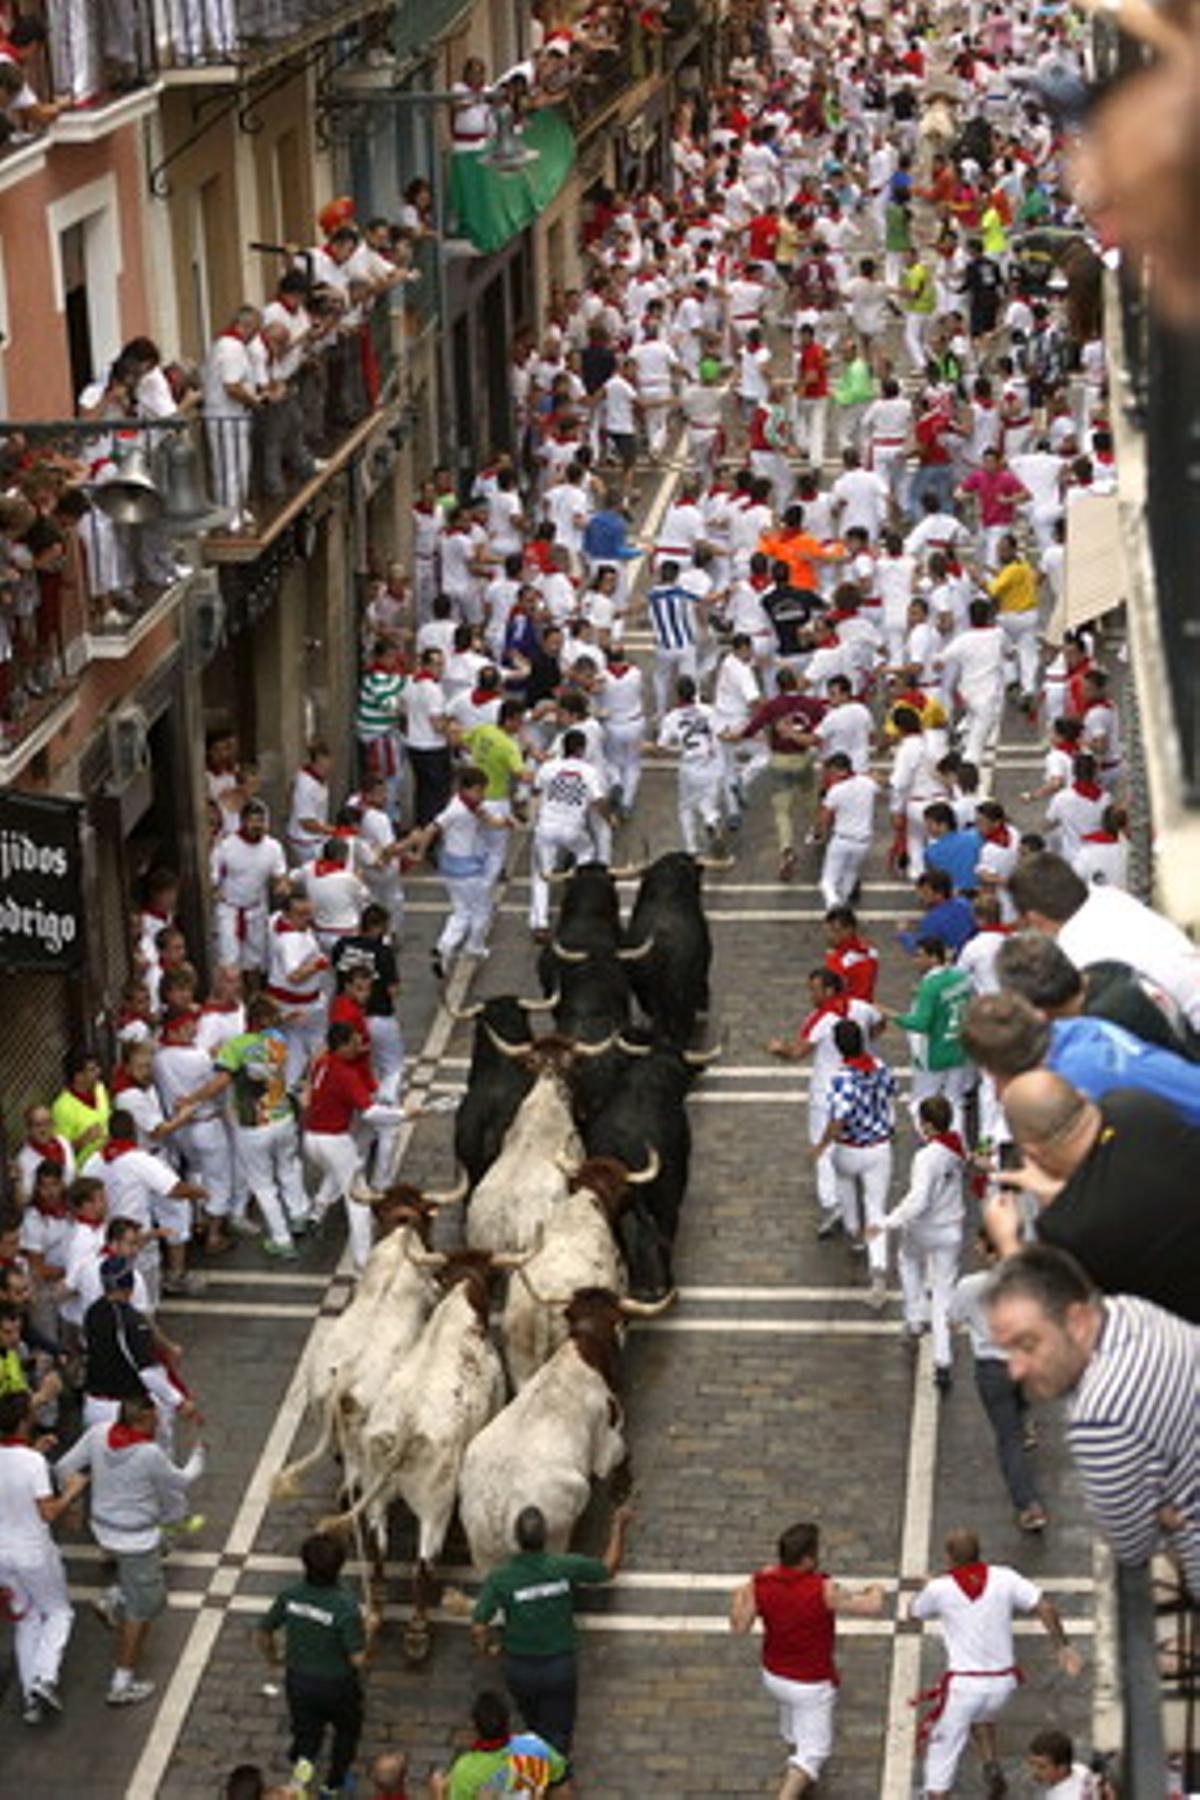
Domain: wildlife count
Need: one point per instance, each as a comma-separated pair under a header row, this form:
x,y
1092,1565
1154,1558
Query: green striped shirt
x,y
379,700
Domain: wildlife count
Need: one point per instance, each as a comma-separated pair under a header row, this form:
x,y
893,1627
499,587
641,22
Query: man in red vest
x,y
798,1606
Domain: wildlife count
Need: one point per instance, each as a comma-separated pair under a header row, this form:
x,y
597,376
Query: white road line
x,y
920,1479
239,1309
754,915
773,1294
269,1278
778,1327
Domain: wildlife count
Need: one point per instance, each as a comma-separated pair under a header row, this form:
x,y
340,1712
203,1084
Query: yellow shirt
x,y
1014,588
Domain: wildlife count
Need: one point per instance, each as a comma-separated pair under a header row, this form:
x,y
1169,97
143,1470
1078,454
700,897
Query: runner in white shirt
x,y
309,814
887,427
973,662
337,894
622,711
31,1566
845,824
914,784
462,830
570,793
847,728
655,364
975,1605
860,498
895,578
245,866
690,730
814,1040
297,980
142,1187
735,697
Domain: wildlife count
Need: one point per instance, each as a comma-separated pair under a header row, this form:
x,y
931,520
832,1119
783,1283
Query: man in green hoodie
x,y
934,1020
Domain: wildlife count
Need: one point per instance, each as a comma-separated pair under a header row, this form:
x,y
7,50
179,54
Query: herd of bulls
x,y
575,1147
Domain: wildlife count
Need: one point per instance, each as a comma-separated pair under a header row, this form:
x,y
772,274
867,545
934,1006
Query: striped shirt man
x,y
1133,1431
379,702
672,616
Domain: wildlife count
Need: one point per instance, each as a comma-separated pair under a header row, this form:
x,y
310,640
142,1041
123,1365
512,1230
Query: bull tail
x,y
334,1523
286,1484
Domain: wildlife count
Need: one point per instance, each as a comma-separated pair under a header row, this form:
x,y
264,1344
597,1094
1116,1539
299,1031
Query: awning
x,y
489,208
1096,575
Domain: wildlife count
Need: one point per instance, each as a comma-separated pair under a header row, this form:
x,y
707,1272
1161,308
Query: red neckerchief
x,y
307,769
1004,929
236,335
1101,837
837,1008
472,801
121,1437
88,1099
1088,790
952,1141
52,1152
15,1442
618,669
500,1743
864,1063
481,696
282,925
250,840
152,912
997,834
971,1579
1104,702
117,1147
48,1211
1064,745
424,675
328,865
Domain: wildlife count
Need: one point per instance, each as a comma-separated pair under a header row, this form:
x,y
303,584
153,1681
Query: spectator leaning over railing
x,y
1129,1372
231,397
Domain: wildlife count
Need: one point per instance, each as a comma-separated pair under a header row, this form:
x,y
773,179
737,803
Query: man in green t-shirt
x,y
252,1068
326,1644
535,1592
500,1761
496,749
940,1064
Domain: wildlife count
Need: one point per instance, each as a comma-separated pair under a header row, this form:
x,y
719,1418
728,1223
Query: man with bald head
x,y
975,1603
1116,1182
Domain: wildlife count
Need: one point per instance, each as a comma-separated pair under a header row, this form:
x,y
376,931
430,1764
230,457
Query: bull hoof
x,y
418,1640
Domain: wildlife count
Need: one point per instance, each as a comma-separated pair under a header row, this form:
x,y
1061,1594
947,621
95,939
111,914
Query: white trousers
x,y
241,933
818,1119
623,754
810,419
916,336
981,719
466,927
669,665
914,836
699,804
205,1147
928,1268
548,847
862,1176
953,1083
1021,630
336,1158
806,1715
844,858
229,446
972,1700
303,1028
39,1595
270,1159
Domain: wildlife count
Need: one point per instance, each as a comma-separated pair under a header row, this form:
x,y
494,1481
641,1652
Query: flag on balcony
x,y
489,207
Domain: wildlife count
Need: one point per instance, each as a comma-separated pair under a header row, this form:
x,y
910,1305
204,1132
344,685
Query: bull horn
x,y
639,1177
516,1259
558,876
535,1292
462,1015
600,1049
424,1259
366,1196
636,952
714,862
568,956
647,1309
540,1005
513,1050
699,1059
629,871
624,1044
451,1196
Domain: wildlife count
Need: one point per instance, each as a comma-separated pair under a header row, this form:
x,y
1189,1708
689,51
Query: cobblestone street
x,y
771,1392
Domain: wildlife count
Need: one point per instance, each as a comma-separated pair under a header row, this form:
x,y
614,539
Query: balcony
x,y
96,71
610,68
205,40
265,469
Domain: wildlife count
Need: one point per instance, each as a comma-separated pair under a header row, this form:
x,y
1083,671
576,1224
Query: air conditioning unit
x,y
128,747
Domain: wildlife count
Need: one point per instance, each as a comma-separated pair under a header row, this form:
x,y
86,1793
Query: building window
x,y
85,241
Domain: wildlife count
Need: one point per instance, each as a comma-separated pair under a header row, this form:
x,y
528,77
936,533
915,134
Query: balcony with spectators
x,y
220,39
73,70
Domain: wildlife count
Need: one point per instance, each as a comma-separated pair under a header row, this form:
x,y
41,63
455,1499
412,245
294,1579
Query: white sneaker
x,y
131,1694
